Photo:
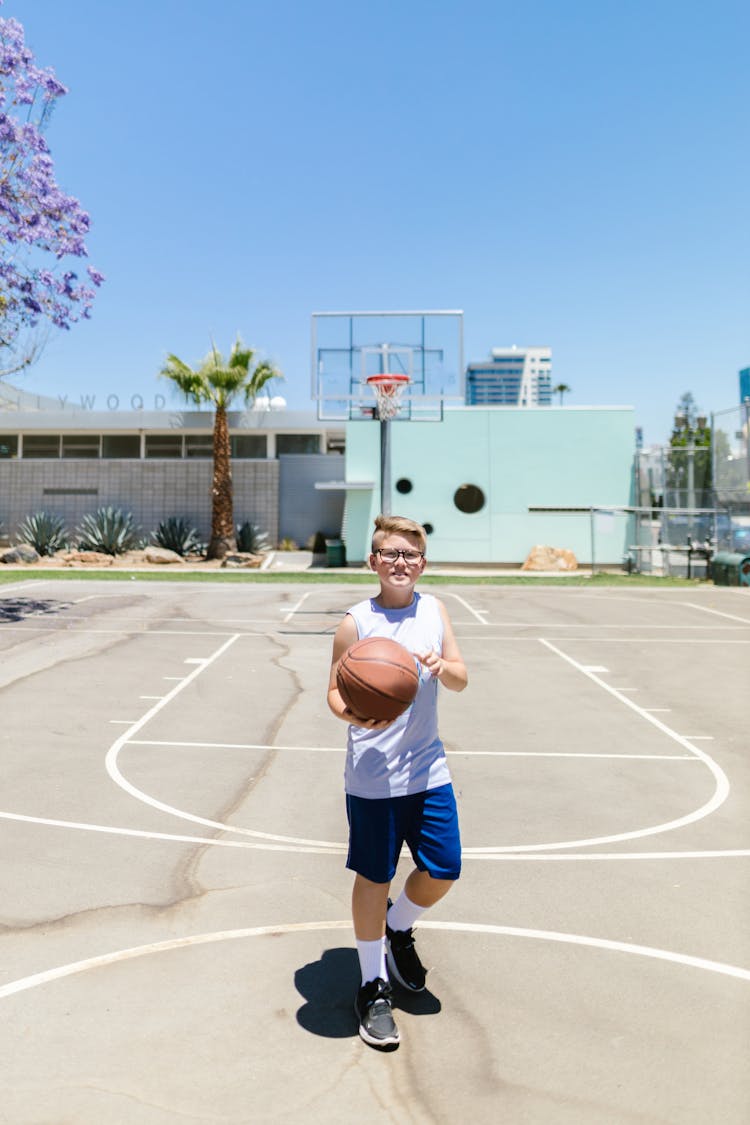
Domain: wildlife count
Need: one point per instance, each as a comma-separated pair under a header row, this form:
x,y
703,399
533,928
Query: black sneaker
x,y
373,1007
403,960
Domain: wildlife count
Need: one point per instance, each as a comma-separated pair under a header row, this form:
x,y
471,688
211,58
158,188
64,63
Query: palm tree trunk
x,y
223,538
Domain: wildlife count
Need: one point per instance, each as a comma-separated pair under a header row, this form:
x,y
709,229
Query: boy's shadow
x,y
329,987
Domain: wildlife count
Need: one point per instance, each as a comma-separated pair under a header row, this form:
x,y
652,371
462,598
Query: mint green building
x,y
473,477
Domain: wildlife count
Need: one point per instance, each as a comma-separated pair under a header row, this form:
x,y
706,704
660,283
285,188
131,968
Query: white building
x,y
511,377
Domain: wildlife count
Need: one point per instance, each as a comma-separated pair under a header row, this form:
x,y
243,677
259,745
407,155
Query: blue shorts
x,y
427,822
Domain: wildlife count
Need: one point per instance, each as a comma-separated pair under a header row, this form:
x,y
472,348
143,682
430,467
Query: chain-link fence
x,y
731,455
693,500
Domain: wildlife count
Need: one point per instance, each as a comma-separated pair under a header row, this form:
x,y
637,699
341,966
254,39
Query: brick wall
x,y
151,490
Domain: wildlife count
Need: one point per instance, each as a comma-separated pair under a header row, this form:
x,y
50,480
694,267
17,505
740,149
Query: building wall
x,y
303,509
519,458
151,490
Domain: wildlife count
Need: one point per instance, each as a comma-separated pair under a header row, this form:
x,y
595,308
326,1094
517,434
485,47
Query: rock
x,y
161,555
242,562
85,558
23,553
550,558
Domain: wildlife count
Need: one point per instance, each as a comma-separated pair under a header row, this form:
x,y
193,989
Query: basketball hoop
x,y
388,391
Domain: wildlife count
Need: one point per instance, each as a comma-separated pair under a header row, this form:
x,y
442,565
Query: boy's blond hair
x,y
398,525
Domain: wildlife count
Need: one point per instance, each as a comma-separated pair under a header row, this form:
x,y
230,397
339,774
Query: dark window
x,y
199,445
469,498
428,528
41,445
404,485
249,445
80,445
8,445
163,445
120,446
297,443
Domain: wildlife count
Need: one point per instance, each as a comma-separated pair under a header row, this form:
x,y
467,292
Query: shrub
x,y
178,534
251,540
288,545
109,530
45,532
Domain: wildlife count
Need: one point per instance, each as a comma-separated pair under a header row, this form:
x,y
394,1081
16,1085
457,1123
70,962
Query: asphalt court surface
x,y
175,942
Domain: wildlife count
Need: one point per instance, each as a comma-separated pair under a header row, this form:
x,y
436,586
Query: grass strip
x,y
354,578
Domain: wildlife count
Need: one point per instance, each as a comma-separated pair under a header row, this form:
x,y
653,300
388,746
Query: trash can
x,y
728,568
335,552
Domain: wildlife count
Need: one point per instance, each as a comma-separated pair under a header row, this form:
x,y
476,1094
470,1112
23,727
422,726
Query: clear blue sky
x,y
569,172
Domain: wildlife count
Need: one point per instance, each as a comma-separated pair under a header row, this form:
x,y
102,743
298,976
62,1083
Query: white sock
x,y
372,959
404,913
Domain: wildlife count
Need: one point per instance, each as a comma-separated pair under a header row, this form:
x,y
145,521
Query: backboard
x,y
348,347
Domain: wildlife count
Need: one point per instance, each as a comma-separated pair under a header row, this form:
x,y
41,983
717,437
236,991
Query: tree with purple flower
x,y
41,227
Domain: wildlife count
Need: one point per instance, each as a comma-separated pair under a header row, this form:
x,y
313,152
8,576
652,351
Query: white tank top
x,y
408,756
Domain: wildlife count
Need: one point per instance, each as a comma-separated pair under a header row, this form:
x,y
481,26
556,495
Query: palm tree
x,y
218,381
561,389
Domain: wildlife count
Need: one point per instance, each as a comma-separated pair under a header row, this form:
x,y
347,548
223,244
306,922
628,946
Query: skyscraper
x,y
511,377
745,384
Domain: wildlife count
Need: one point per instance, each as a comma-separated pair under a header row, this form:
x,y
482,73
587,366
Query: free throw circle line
x,y
113,769
35,980
721,790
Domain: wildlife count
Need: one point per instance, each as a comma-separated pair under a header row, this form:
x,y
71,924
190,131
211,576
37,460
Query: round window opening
x,y
428,528
469,498
404,485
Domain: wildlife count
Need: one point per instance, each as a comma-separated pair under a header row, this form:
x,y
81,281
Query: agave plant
x,y
45,532
179,535
251,540
109,530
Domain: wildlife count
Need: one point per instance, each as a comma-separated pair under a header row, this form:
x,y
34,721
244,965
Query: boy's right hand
x,y
368,724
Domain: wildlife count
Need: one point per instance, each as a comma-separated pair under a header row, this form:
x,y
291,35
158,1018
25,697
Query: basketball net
x,y
388,391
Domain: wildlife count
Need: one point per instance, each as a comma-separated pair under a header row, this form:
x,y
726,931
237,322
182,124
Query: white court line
x,y
120,955
480,614
113,769
721,790
509,639
594,625
14,587
467,853
63,627
90,597
463,753
294,608
717,612
142,834
586,857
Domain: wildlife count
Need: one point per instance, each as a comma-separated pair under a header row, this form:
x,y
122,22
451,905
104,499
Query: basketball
x,y
377,678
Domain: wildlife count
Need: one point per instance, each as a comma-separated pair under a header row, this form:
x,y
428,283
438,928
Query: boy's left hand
x,y
432,661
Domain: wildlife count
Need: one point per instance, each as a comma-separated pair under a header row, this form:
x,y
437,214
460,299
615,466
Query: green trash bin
x,y
729,568
335,552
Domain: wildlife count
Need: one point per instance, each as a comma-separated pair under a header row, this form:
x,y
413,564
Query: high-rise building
x,y
745,384
511,377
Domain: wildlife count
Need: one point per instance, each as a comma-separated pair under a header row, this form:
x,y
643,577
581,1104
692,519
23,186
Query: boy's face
x,y
399,573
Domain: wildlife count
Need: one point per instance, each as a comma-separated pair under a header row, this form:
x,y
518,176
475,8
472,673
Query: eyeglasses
x,y
390,555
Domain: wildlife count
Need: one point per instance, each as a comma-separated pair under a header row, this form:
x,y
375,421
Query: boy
x,y
398,787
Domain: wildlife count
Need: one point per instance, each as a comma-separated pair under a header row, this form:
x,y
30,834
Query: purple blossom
x,y
37,218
